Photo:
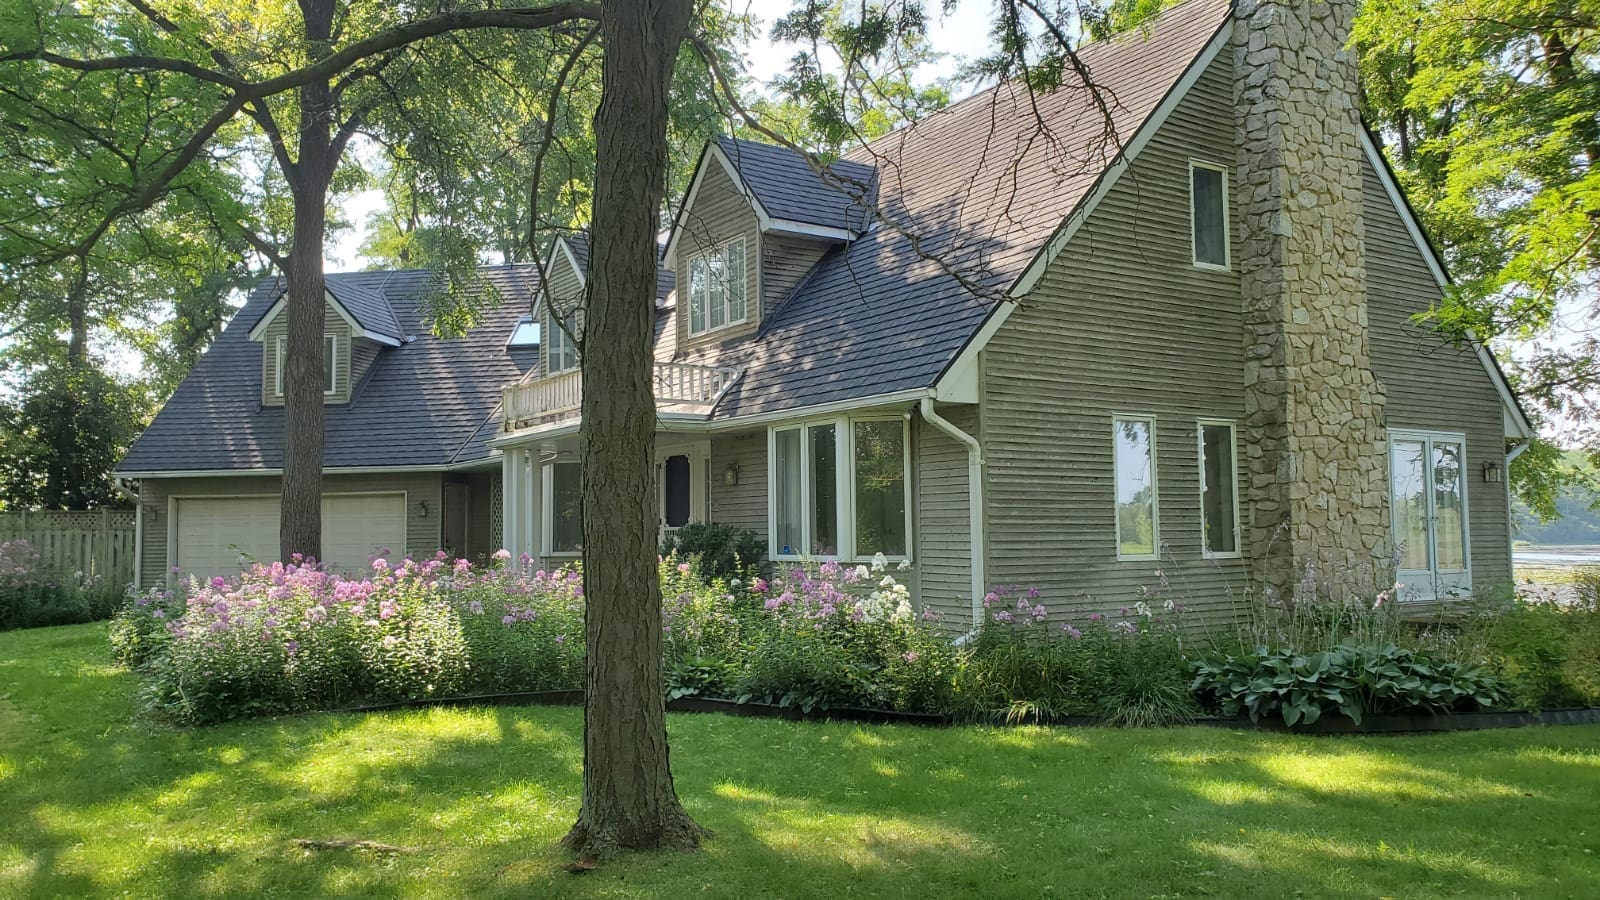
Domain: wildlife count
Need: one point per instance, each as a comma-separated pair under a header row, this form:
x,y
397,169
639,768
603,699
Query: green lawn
x,y
95,801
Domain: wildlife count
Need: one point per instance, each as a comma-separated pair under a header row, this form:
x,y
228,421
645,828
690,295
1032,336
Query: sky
x,y
961,35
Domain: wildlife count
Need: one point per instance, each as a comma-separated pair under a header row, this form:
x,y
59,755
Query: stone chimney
x,y
1316,448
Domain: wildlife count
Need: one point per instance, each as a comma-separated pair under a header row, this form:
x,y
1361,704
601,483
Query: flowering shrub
x,y
30,597
1025,665
847,636
1549,652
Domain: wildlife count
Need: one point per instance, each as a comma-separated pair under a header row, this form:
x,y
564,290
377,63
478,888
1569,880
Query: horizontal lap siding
x,y
1122,322
566,290
943,539
1431,385
784,264
332,323
743,505
422,529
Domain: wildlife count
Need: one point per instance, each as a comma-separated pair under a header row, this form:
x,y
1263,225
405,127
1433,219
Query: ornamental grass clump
x,y
1027,665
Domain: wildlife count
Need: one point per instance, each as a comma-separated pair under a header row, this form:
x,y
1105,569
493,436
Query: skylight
x,y
526,334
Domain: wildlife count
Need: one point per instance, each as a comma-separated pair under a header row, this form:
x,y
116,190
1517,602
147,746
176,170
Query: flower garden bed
x,y
817,640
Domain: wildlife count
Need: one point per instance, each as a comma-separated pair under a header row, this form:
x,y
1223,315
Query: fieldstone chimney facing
x,y
1317,451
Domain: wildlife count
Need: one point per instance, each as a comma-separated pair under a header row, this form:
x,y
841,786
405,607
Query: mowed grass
x,y
96,801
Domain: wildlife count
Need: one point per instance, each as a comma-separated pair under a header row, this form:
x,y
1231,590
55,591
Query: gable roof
x,y
576,244
418,406
982,190
789,189
367,312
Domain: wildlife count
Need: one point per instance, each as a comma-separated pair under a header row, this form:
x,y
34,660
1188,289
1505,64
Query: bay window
x,y
840,488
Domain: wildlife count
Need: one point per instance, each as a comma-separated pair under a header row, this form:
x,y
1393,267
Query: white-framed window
x,y
1219,488
840,488
330,363
563,504
1208,214
1133,464
561,352
717,287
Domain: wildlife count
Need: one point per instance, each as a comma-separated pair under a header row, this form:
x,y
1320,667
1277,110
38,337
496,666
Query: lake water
x,y
1557,556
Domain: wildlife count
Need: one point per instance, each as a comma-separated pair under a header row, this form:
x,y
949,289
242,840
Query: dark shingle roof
x,y
368,306
982,191
787,187
579,242
420,404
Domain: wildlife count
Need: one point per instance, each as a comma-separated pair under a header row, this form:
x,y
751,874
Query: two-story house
x,y
1090,341
1017,343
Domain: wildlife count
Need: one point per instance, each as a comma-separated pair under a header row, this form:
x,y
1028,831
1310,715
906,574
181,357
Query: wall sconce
x,y
730,475
422,509
1494,472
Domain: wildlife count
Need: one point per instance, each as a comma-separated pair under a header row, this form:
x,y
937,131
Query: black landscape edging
x,y
1392,724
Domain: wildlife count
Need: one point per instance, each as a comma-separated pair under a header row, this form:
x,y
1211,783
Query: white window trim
x,y
1227,230
689,294
547,538
1200,446
333,360
844,486
1155,491
1428,438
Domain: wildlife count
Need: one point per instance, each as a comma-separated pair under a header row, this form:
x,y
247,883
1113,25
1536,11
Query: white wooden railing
x,y
682,386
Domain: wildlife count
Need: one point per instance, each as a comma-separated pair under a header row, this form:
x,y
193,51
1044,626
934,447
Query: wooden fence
x,y
98,542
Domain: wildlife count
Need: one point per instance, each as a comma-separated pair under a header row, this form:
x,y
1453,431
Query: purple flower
x,y
561,639
1071,632
291,647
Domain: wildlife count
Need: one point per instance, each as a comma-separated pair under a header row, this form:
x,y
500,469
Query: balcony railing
x,y
679,387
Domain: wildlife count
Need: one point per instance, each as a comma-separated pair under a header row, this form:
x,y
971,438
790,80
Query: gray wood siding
x,y
422,530
566,289
784,263
363,353
1122,322
721,212
745,504
943,542
333,324
1431,385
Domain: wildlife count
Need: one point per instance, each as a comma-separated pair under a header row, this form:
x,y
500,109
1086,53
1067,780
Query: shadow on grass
x,y
98,802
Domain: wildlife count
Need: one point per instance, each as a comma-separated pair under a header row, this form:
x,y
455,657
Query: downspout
x,y
138,531
974,504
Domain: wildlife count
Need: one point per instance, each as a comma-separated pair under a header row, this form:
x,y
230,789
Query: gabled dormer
x,y
560,311
755,220
357,324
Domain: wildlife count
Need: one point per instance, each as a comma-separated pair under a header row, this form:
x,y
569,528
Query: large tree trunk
x,y
304,375
628,799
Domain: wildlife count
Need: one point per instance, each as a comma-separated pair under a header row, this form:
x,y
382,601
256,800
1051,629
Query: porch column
x,y
509,494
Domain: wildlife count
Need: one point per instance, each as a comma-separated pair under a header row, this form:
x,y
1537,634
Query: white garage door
x,y
211,532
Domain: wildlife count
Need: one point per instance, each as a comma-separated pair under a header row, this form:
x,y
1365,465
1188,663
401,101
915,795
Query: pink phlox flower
x,y
1071,632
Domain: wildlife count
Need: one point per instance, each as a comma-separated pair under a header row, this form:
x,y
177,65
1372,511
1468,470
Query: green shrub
x,y
724,552
1549,653
1127,671
1353,680
31,597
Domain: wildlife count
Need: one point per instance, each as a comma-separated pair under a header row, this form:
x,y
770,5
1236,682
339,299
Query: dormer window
x,y
330,363
717,288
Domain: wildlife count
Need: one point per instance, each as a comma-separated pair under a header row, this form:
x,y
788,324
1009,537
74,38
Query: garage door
x,y
212,532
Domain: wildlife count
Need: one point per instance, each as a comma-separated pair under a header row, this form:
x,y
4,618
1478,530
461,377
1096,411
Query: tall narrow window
x,y
880,487
566,507
788,493
1219,497
1134,465
824,441
717,288
1208,201
1449,512
562,351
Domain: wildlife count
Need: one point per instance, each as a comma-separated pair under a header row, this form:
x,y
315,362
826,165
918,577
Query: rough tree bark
x,y
628,798
304,378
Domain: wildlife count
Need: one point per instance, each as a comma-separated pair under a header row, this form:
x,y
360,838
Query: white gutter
x,y
974,503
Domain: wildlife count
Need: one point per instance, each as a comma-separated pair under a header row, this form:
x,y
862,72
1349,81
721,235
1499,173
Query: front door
x,y
1428,483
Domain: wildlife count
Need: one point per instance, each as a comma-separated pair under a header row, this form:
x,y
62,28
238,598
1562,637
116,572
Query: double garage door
x,y
211,533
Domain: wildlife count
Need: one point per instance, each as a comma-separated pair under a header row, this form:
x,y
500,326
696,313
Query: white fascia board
x,y
712,152
959,382
1517,424
356,330
804,229
821,409
1108,179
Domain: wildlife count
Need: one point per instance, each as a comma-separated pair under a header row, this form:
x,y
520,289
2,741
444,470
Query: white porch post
x,y
509,498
